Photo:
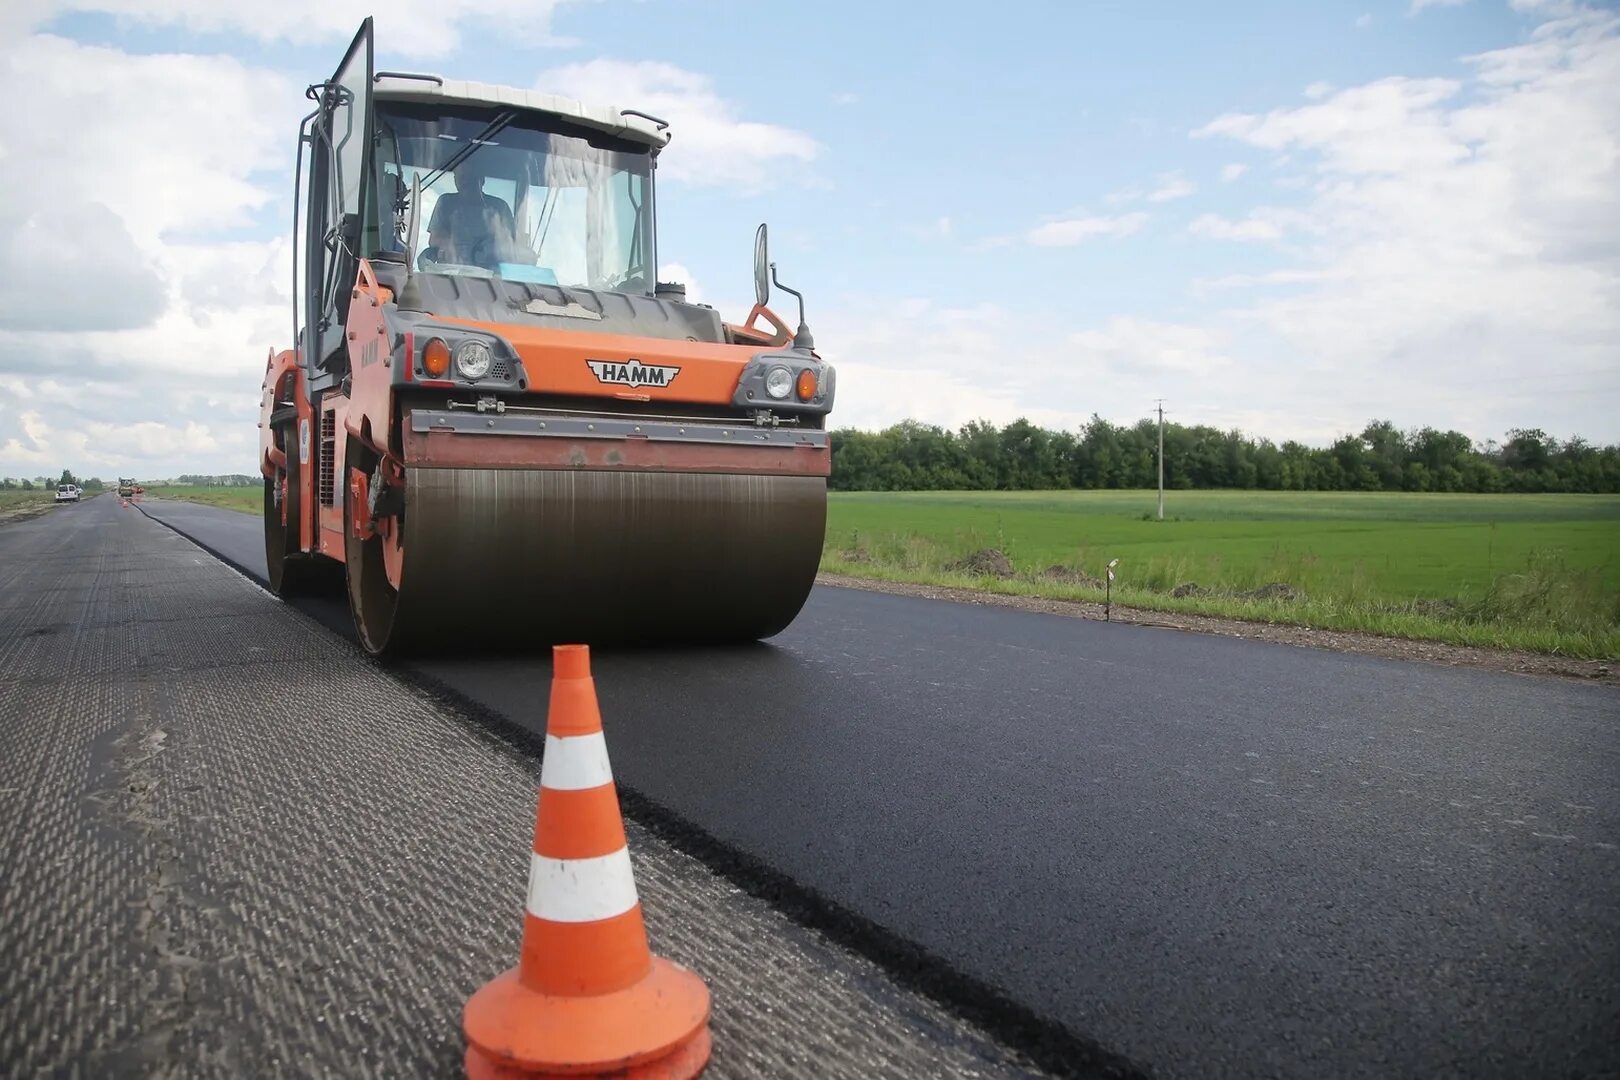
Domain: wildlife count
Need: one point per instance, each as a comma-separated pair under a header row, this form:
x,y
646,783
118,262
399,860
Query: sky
x,y
1282,217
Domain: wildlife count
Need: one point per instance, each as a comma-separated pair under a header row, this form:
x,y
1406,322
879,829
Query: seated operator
x,y
469,226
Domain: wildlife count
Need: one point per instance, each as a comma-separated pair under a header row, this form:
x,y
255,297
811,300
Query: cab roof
x,y
390,86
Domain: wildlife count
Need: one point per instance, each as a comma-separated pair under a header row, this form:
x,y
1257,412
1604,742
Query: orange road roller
x,y
497,428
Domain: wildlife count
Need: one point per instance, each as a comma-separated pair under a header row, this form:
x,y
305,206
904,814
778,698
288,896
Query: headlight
x,y
472,359
778,382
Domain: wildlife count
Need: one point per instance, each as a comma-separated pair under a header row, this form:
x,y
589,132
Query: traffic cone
x,y
587,997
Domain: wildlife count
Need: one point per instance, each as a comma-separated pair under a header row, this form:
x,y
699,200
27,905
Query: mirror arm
x,y
801,337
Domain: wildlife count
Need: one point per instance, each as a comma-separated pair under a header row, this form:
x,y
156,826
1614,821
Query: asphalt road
x,y
1217,857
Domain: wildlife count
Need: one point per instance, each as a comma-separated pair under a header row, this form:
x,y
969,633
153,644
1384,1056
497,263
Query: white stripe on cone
x,y
581,890
575,763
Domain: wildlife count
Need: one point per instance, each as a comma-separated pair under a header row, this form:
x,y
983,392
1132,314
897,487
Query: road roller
x,y
496,426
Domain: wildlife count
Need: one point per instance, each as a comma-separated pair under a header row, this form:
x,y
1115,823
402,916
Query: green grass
x,y
1527,571
15,504
13,497
1537,572
247,499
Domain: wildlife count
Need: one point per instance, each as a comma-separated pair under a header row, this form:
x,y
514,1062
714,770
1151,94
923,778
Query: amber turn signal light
x,y
436,358
807,385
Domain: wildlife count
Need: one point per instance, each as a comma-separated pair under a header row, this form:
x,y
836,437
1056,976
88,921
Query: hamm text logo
x,y
633,373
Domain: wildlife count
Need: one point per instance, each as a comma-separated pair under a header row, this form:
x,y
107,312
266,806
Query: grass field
x,y
1536,572
16,505
249,499
1527,571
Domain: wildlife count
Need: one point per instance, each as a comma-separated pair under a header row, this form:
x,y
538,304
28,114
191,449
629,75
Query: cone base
x,y
656,1028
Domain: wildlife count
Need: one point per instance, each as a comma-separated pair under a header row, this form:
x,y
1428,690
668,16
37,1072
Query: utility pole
x,y
1161,458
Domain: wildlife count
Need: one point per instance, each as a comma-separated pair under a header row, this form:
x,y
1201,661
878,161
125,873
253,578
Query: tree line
x,y
13,483
42,483
1021,456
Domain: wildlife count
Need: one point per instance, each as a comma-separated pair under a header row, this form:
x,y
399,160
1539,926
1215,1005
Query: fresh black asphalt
x,y
1217,857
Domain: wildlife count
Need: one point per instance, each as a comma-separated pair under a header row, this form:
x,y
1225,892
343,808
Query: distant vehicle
x,y
67,493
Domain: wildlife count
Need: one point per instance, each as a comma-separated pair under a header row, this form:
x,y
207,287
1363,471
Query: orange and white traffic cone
x,y
587,997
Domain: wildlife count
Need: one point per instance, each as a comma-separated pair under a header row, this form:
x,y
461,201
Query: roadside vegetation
x,y
16,504
231,497
1535,572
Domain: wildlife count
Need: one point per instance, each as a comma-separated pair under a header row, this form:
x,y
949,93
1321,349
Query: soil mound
x,y
1277,590
988,562
1068,575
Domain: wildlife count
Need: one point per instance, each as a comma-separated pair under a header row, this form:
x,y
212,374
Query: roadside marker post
x,y
1108,605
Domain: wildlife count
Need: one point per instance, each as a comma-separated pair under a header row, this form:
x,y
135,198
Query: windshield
x,y
502,197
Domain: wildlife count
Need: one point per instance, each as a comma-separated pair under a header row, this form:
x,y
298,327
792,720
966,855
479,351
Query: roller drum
x,y
525,558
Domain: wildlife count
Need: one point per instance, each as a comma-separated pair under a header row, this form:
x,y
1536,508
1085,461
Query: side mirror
x,y
762,280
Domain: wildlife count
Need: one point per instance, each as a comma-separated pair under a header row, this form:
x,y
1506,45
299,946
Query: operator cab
x,y
562,211
551,207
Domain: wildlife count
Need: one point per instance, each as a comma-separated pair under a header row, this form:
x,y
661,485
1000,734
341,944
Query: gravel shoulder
x,y
1432,652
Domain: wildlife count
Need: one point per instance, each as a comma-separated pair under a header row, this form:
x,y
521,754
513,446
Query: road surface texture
x,y
1211,856
235,846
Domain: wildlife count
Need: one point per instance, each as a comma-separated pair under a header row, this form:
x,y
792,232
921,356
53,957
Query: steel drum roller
x,y
520,558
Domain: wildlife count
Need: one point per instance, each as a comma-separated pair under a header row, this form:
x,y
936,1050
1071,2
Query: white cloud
x,y
1394,126
846,98
89,447
418,28
49,251
1167,187
1464,234
1066,232
1129,343
1231,172
1270,277
919,359
143,135
1171,186
1364,20
1263,224
1419,5
712,145
115,288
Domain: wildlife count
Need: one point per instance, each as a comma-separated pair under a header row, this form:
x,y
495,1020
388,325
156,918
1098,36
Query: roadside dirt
x,y
1431,652
23,511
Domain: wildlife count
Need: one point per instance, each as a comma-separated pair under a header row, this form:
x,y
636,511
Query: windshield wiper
x,y
492,128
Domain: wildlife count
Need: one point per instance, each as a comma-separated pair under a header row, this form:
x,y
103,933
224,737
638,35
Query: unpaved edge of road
x,y
1511,661
24,511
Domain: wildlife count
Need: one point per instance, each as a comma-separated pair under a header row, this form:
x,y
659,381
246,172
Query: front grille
x,y
500,370
328,451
